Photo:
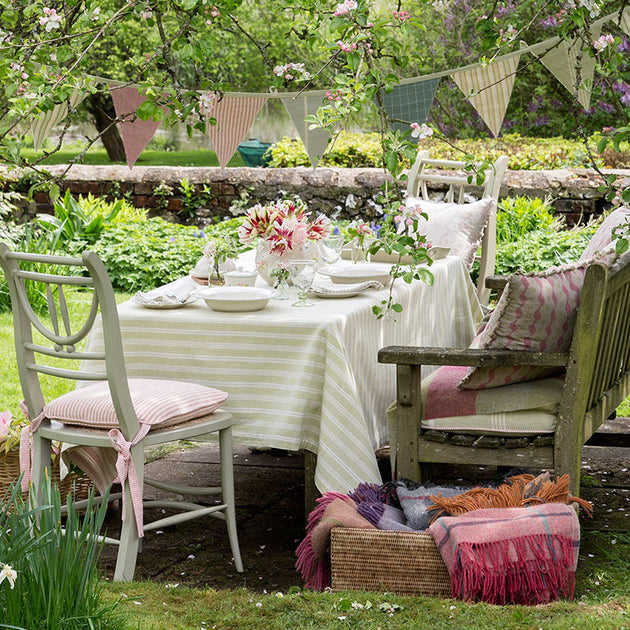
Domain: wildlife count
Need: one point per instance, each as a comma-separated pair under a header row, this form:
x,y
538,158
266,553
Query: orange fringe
x,y
519,491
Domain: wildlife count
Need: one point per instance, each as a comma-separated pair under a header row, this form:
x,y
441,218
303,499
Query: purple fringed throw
x,y
510,555
383,516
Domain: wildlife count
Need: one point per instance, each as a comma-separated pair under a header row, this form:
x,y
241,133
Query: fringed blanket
x,y
510,555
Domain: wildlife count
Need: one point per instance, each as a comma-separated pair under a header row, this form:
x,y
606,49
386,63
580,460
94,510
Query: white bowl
x,y
235,299
240,278
358,272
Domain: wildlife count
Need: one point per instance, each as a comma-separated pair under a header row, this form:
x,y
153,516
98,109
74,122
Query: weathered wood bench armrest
x,y
417,355
496,282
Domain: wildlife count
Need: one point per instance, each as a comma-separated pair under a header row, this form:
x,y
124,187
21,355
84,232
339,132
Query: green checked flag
x,y
410,102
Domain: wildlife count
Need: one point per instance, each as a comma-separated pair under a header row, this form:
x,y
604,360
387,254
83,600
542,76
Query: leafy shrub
x,y
541,249
518,215
77,223
363,150
350,150
57,583
146,253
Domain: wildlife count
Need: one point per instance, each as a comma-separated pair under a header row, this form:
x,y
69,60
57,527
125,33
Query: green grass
x,y
147,158
601,602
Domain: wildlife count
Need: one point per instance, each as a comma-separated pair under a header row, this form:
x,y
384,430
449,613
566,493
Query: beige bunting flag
x,y
562,61
235,116
625,21
488,88
315,140
43,123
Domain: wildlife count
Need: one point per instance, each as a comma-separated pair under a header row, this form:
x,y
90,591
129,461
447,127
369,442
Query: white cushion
x,y
602,240
155,401
536,312
457,226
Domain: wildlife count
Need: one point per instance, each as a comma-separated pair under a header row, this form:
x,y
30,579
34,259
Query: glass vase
x,y
266,259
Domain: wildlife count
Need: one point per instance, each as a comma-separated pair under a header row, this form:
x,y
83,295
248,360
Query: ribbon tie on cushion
x,y
126,469
25,447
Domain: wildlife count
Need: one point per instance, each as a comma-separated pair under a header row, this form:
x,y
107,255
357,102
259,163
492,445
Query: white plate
x,y
359,272
168,305
330,295
235,299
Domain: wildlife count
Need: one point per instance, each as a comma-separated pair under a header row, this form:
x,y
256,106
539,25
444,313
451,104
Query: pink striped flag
x,y
136,133
235,115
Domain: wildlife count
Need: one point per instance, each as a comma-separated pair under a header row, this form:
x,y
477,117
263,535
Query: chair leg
x,y
41,462
129,540
227,484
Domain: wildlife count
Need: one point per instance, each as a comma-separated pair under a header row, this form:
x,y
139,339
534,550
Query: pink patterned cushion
x,y
155,401
536,312
603,237
458,226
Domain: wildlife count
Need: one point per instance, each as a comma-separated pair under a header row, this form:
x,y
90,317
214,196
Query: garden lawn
x,y
602,602
147,158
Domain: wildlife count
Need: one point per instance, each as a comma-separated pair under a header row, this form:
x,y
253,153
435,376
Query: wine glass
x,y
302,275
329,248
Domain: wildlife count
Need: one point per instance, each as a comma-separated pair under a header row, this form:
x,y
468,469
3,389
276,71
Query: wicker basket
x,y
10,471
407,563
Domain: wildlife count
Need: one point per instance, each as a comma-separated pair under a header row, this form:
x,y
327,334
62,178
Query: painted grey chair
x,y
45,343
427,175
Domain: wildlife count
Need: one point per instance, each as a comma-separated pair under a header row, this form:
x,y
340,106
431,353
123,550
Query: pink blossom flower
x,y
603,42
50,19
401,16
345,7
420,131
215,12
5,423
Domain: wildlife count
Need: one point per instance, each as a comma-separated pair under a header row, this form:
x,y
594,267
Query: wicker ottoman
x,y
407,563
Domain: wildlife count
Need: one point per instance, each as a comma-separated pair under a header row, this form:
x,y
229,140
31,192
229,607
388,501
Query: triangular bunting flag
x,y
625,21
560,61
315,140
136,133
587,71
488,88
235,115
410,102
41,125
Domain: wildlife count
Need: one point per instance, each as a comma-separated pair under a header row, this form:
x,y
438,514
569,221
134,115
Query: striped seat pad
x,y
155,401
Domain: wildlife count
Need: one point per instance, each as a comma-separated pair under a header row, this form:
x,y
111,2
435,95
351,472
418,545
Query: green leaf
x,y
147,110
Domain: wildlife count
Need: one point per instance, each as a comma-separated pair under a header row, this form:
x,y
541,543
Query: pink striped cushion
x,y
536,312
155,401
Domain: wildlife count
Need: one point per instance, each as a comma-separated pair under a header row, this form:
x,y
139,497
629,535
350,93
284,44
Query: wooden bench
x,y
597,380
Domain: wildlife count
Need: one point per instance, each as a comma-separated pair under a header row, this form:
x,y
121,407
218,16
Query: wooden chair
x,y
450,176
117,417
597,379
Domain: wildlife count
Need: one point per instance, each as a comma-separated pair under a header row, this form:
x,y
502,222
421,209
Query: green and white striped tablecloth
x,y
303,378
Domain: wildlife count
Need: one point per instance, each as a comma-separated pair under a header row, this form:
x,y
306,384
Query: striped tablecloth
x,y
303,378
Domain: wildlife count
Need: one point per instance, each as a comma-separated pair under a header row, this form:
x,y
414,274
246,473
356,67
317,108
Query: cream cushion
x,y
459,227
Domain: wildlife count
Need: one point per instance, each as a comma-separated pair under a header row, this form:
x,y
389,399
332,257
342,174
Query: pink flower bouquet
x,y
284,224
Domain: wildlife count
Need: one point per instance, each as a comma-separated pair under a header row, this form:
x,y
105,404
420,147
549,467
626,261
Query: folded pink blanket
x,y
510,555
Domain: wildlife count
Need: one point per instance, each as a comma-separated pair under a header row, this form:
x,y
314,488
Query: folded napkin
x,y
330,288
166,295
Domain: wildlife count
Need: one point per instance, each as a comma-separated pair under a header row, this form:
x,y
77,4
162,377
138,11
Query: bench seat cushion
x,y
527,408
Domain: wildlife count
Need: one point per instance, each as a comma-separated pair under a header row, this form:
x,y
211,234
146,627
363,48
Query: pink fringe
x,y
529,570
315,570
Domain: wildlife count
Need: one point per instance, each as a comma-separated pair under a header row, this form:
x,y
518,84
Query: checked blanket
x,y
510,555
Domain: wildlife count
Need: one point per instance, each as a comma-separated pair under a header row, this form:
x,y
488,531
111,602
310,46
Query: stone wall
x,y
335,191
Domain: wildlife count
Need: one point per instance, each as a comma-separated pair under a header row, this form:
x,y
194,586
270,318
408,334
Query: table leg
x,y
311,493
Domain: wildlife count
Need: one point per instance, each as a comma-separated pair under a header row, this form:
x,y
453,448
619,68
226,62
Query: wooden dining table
x,y
302,378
